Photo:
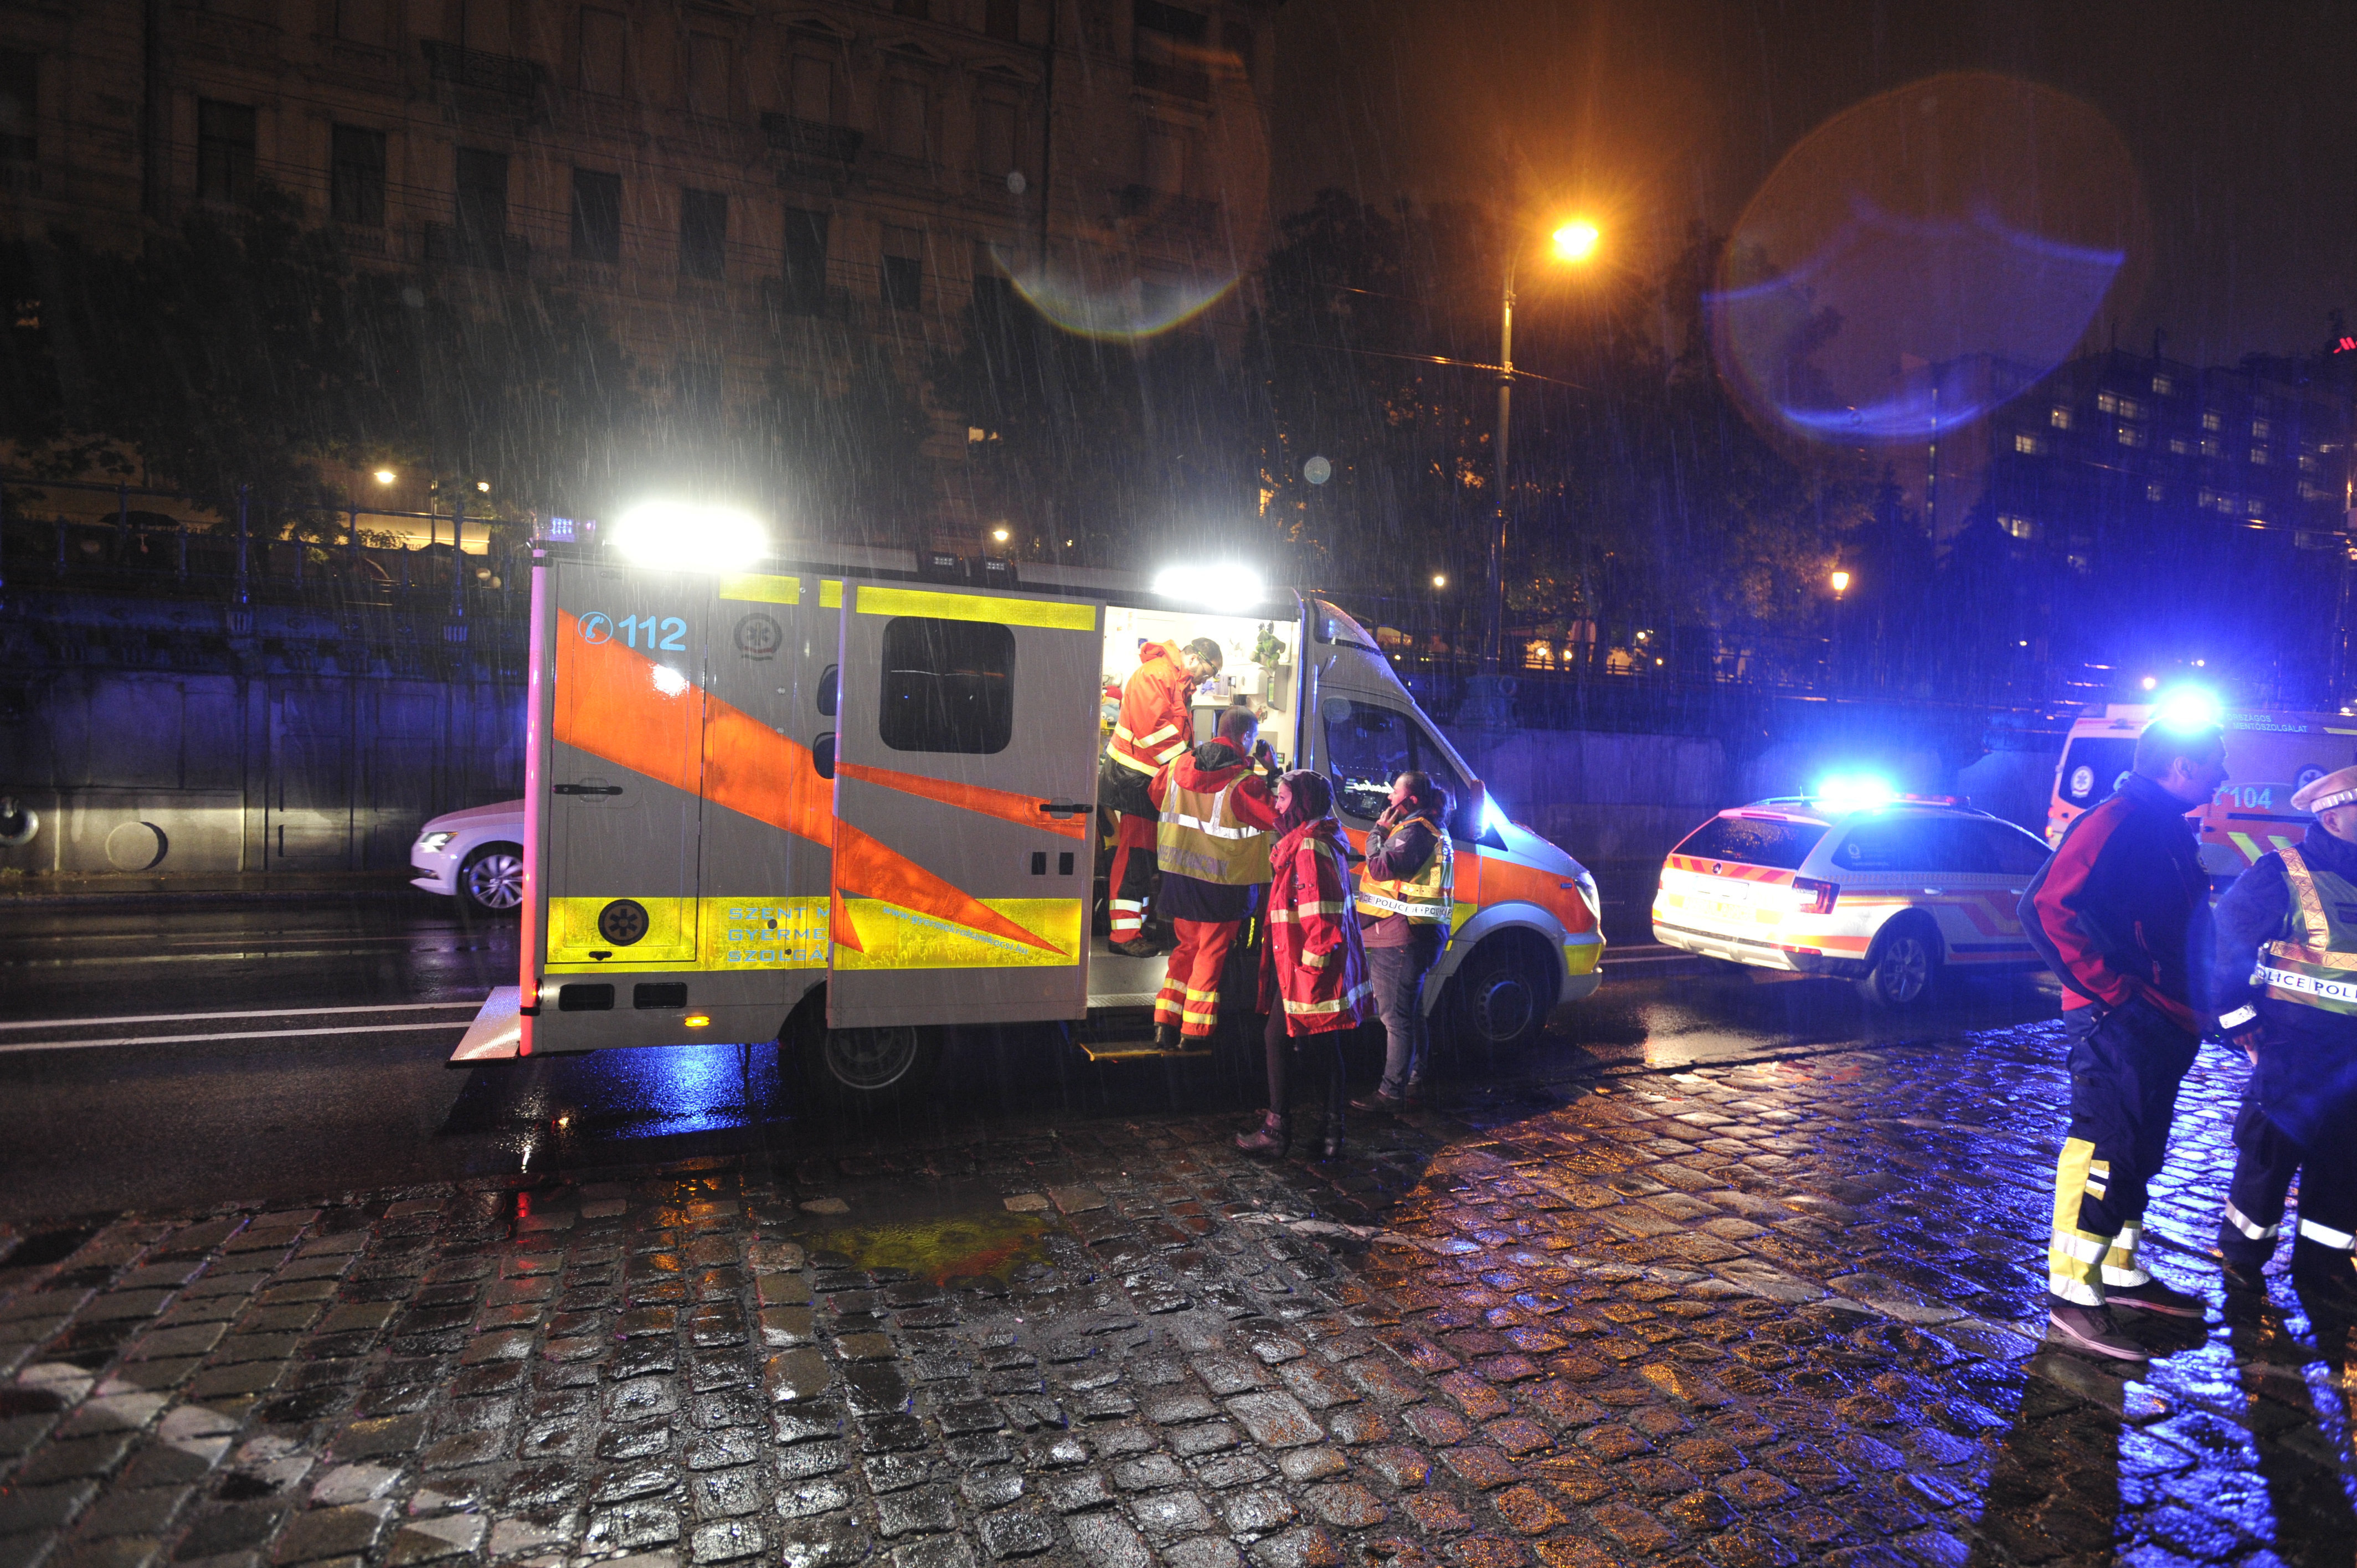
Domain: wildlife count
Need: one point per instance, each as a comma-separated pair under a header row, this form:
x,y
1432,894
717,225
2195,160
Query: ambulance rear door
x,y
966,784
616,870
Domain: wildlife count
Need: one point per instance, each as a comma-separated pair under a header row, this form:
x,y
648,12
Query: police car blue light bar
x,y
1851,791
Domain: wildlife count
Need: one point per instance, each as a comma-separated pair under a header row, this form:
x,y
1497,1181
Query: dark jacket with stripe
x,y
2120,910
2306,1078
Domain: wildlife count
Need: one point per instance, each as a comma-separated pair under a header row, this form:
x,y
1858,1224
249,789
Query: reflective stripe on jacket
x,y
2320,969
1205,834
1155,728
1312,962
1427,896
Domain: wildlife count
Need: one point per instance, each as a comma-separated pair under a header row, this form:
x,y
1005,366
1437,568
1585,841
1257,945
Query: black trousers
x,y
2126,1068
2267,1157
1279,1047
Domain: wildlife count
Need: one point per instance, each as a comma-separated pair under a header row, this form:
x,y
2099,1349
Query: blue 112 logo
x,y
666,635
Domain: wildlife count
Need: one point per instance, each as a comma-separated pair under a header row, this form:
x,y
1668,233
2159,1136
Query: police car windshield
x,y
1754,841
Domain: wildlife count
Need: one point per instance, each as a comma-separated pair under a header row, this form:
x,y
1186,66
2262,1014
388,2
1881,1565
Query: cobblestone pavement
x,y
1763,1313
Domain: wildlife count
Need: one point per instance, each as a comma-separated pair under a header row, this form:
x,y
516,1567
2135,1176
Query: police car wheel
x,y
866,1063
491,882
1904,964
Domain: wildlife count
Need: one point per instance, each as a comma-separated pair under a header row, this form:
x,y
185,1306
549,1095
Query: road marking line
x,y
259,1013
11,1046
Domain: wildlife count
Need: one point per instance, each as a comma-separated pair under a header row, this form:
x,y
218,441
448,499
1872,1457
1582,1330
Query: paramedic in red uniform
x,y
1313,971
1216,817
1154,729
2120,914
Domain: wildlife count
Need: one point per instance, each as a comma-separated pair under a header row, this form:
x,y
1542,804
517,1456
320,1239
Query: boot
x,y
1166,1037
1330,1148
1274,1138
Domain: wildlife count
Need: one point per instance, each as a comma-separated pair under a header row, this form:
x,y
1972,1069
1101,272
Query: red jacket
x,y
1312,959
1155,727
2121,909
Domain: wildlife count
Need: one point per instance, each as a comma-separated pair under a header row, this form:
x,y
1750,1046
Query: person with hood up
x,y
1212,848
1313,975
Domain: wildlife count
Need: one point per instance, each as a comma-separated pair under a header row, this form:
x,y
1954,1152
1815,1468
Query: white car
x,y
475,855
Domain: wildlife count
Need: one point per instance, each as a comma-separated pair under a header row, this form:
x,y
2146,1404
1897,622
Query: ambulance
x,y
846,798
2268,755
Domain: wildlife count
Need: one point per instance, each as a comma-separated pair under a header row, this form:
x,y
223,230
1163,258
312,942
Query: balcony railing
x,y
449,245
813,140
506,76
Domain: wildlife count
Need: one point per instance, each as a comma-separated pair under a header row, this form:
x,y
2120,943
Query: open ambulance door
x,y
964,802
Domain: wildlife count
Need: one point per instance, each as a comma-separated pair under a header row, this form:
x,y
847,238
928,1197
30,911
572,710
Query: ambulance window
x,y
1367,747
2092,768
2017,853
949,685
829,690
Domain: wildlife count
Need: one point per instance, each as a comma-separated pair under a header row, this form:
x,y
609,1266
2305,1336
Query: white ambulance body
x,y
844,805
2268,755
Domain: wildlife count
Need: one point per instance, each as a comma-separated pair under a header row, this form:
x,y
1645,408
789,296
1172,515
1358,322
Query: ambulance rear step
x,y
497,1032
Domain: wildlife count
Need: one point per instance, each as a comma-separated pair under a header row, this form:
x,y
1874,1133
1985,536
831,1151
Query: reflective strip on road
x,y
12,1046
252,1013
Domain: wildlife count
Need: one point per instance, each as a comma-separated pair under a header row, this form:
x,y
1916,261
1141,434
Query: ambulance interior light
x,y
672,536
1222,585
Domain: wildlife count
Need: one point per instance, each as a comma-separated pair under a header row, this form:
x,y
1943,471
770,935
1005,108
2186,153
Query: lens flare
x,y
1923,257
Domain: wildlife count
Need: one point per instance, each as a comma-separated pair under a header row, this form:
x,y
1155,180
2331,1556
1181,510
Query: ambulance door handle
x,y
1064,808
588,789
1934,892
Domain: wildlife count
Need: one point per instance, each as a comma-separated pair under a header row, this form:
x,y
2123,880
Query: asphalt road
x,y
169,1057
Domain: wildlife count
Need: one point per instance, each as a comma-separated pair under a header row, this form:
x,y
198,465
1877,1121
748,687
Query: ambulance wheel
x,y
1503,995
491,882
871,1067
1904,965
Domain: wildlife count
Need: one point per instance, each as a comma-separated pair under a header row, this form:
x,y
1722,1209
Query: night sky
x,y
2240,119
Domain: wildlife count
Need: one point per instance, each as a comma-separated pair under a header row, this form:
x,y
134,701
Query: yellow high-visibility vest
x,y
1200,837
2322,970
1427,898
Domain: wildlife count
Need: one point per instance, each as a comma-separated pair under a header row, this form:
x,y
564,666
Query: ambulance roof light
x,y
1222,585
2185,708
674,536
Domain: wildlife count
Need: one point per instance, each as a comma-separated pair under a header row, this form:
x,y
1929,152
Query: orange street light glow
x,y
1577,241
384,476
1841,581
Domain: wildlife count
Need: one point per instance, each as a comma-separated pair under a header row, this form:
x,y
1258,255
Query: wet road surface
x,y
263,1051
1726,1271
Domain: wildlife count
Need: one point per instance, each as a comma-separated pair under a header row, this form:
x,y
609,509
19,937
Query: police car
x,y
1853,883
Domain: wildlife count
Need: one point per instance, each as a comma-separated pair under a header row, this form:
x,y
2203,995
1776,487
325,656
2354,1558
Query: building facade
x,y
754,194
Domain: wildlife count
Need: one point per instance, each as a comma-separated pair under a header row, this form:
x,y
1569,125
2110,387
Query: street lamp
x,y
1575,242
1840,581
385,476
1440,579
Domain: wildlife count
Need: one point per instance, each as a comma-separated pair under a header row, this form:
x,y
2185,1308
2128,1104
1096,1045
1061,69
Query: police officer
x,y
2118,913
1406,891
2287,993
